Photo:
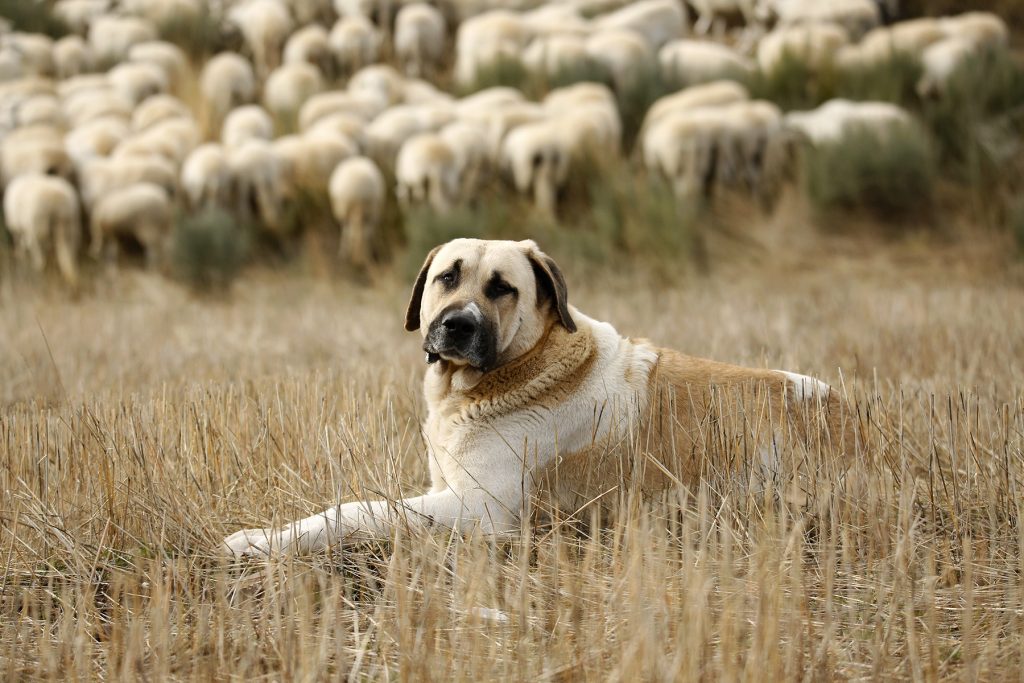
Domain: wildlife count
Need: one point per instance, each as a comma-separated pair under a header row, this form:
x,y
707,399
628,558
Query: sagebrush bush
x,y
792,84
33,16
636,93
890,174
201,34
209,249
891,80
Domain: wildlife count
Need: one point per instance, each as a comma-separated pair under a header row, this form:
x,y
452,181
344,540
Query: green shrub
x,y
793,84
33,16
892,80
200,35
890,176
210,249
587,72
503,71
635,95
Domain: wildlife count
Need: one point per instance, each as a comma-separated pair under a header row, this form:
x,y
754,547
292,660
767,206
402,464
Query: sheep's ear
x,y
412,314
551,284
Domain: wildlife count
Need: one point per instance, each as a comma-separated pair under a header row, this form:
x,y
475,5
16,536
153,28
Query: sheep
x,y
141,211
488,99
354,42
168,56
88,105
883,43
136,81
694,61
468,142
111,36
940,61
556,53
814,45
310,44
96,138
753,12
34,50
712,94
346,125
258,182
379,80
486,38
264,24
206,177
40,209
308,159
500,120
34,150
982,28
418,91
623,53
326,104
387,133
832,120
38,110
419,38
157,109
550,19
656,21
289,86
590,119
172,139
427,171
162,11
538,161
856,17
72,56
227,81
100,176
311,11
357,194
77,15
250,122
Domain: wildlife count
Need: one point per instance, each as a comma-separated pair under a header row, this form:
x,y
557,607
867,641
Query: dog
x,y
528,398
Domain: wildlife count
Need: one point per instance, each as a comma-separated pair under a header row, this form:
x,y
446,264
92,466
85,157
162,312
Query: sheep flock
x,y
111,132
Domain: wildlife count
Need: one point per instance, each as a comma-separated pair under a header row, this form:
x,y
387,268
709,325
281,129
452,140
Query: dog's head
x,y
482,303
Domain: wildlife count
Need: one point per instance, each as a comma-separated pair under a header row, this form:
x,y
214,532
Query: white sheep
x,y
555,18
100,176
885,42
754,12
354,42
363,106
72,56
357,193
35,51
426,172
135,81
625,54
34,150
39,210
227,81
308,159
815,45
96,138
537,157
712,94
696,61
419,38
940,61
657,21
468,141
77,15
387,133
834,119
206,177
486,38
157,109
289,86
112,36
501,120
378,80
172,139
264,24
346,125
39,110
141,211
258,182
589,117
556,53
310,44
250,122
168,56
856,17
982,28
162,11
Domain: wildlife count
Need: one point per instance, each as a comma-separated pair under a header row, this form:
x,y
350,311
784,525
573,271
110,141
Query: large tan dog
x,y
529,397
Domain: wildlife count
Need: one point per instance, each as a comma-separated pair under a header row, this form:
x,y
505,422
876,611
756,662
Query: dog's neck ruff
x,y
547,373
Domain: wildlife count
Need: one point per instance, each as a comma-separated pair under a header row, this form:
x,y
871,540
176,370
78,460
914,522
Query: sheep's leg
x,y
375,519
65,252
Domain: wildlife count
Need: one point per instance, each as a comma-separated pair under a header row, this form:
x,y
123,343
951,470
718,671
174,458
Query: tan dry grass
x,y
138,426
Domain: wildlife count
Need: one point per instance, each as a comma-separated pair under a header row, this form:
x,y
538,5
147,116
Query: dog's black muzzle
x,y
462,333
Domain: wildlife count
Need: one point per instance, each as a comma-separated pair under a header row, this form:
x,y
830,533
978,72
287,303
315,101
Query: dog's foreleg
x,y
353,521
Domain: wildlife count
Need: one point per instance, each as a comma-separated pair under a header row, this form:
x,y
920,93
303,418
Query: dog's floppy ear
x,y
412,314
551,284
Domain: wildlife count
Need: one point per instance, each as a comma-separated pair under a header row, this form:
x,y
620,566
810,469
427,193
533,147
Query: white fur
x,y
806,388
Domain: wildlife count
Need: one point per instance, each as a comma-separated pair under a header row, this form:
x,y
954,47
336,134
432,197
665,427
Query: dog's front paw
x,y
250,543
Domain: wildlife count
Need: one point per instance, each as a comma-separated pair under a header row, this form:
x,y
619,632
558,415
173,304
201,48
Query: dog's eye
x,y
498,288
448,278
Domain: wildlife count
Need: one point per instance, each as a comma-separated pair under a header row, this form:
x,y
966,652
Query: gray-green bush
x,y
209,249
890,175
33,16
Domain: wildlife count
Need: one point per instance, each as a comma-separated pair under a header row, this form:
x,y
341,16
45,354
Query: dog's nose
x,y
459,325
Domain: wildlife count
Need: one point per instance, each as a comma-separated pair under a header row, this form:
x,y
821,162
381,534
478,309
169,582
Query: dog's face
x,y
482,303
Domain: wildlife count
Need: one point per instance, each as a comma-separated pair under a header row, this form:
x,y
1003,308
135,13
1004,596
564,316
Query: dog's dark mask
x,y
460,332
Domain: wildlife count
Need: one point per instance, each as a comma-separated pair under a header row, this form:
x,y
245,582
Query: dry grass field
x,y
139,425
